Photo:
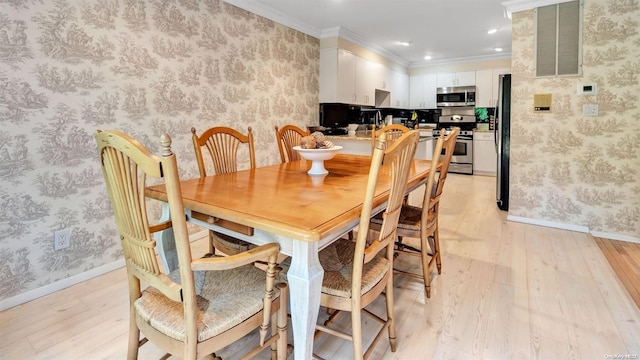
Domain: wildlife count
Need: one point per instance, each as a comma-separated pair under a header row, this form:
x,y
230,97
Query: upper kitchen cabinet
x,y
350,79
487,86
399,89
337,76
465,78
422,91
369,76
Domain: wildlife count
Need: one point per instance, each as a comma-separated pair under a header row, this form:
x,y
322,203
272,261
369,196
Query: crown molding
x,y
271,14
522,5
501,56
346,34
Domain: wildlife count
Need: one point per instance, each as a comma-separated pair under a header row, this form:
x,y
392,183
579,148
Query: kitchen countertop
x,y
364,136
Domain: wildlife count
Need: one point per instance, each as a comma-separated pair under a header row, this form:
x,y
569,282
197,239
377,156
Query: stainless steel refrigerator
x,y
502,129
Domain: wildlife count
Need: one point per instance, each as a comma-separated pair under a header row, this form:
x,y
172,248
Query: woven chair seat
x,y
230,241
225,299
337,261
410,217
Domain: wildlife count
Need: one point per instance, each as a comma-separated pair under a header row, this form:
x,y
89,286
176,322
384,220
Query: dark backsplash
x,y
340,115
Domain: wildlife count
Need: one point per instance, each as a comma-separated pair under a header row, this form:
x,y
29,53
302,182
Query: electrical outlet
x,y
61,239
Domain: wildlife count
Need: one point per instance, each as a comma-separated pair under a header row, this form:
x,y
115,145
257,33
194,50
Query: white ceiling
x,y
447,30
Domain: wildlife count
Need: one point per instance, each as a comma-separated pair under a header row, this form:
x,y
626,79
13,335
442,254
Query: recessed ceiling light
x,y
498,49
404,43
427,57
492,31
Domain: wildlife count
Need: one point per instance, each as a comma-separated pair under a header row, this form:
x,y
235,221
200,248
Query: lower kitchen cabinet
x,y
485,160
352,146
362,146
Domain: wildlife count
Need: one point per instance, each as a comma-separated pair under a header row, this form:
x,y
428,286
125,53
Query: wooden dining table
x,y
281,203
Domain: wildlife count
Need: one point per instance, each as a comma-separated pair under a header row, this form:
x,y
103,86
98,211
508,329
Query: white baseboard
x,y
571,227
626,238
59,285
546,223
73,280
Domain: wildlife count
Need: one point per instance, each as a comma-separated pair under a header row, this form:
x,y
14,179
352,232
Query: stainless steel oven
x,y
462,159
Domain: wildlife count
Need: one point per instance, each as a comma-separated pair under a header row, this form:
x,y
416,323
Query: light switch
x,y
590,109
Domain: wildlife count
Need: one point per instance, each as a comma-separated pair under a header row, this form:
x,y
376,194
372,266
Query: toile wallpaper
x,y
573,169
144,67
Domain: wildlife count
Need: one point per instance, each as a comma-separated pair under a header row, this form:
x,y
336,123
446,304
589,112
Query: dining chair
x,y
422,221
204,305
223,144
393,132
289,136
356,273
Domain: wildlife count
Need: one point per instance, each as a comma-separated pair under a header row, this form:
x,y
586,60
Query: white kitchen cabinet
x,y
368,76
349,78
464,78
352,146
399,89
485,160
487,86
484,88
337,76
422,91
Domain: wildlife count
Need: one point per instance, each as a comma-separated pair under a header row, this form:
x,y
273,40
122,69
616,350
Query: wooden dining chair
x,y
356,273
422,221
223,144
393,132
289,136
204,305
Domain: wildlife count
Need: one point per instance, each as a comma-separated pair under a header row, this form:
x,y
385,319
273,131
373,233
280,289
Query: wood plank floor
x,y
507,291
624,258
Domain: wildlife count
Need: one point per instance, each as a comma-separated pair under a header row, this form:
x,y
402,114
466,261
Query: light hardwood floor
x,y
508,291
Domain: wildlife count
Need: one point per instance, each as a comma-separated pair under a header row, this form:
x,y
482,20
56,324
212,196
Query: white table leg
x,y
166,244
305,284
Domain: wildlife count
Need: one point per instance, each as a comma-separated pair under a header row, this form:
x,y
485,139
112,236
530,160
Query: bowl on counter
x,y
317,157
351,129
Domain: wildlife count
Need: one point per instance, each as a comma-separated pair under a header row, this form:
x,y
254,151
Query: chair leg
x,y
391,313
282,322
212,250
436,248
356,333
274,330
134,337
424,256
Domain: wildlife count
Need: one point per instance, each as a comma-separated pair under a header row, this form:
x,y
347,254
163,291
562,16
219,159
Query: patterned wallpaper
x,y
144,67
573,169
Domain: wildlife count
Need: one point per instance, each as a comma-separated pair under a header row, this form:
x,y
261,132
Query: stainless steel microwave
x,y
456,96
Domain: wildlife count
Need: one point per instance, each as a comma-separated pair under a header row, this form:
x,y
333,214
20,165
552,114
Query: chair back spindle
x,y
289,136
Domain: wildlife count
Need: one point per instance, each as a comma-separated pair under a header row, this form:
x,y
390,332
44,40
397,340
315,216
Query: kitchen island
x,y
360,144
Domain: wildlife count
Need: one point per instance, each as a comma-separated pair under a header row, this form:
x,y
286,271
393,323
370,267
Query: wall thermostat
x,y
587,89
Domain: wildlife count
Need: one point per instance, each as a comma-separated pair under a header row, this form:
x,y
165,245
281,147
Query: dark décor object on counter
x,y
334,115
501,136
